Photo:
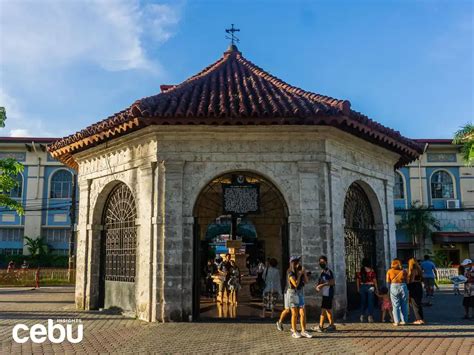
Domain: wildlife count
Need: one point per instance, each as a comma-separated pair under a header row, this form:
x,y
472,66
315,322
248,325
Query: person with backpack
x,y
366,287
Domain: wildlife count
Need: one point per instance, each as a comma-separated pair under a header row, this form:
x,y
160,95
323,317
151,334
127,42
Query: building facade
x,y
153,177
440,181
44,189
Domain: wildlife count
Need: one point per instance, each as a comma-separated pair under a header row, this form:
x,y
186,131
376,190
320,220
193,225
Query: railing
x,y
27,277
444,274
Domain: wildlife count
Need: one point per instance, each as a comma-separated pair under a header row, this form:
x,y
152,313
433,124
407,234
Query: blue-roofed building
x,y
45,191
440,181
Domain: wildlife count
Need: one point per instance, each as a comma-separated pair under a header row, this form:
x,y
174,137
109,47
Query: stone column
x,y
82,255
337,260
311,241
389,228
171,247
144,298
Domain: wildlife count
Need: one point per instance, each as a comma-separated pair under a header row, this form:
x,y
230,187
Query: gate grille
x,y
120,235
359,231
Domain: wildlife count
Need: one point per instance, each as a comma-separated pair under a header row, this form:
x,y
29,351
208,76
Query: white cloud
x,y
19,123
108,33
41,41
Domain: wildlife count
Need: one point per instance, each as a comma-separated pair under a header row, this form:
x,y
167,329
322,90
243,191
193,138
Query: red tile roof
x,y
234,91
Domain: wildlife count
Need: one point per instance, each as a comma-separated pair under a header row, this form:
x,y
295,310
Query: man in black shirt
x,y
325,285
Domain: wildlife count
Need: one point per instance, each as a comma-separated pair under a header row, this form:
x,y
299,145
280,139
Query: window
x,y
442,185
18,189
11,235
10,251
56,235
61,184
398,189
60,251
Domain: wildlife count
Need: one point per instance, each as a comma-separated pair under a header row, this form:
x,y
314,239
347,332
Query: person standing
x,y
429,274
297,278
415,290
224,272
468,299
272,290
396,278
366,287
325,285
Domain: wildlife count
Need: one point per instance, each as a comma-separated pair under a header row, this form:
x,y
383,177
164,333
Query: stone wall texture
x,y
166,168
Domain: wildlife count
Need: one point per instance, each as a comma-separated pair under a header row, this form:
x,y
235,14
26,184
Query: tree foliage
x,y
465,137
418,222
3,117
9,169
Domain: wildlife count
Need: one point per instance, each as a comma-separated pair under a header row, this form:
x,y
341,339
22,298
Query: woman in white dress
x,y
272,291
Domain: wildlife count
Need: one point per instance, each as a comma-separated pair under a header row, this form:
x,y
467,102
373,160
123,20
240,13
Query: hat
x,y
295,258
466,262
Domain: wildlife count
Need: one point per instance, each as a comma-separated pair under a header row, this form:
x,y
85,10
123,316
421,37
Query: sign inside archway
x,y
239,199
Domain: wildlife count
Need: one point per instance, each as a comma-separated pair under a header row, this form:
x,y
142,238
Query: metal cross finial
x,y
232,37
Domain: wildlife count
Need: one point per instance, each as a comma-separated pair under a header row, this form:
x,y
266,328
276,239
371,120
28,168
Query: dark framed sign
x,y
241,197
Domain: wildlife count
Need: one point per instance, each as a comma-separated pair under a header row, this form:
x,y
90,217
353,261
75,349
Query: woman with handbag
x,y
397,278
415,290
297,278
366,287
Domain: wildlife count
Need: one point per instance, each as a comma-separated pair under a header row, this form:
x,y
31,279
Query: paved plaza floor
x,y
445,333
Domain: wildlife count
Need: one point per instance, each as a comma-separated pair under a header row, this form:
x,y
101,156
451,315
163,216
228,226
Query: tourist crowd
x,y
405,287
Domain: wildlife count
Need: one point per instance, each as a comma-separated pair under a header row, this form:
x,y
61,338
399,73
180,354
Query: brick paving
x,y
112,333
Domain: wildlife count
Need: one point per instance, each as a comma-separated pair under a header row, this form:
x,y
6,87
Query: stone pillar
x,y
172,246
389,227
294,227
82,268
144,298
311,241
337,260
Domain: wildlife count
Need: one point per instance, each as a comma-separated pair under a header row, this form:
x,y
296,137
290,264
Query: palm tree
x,y
37,248
465,137
419,223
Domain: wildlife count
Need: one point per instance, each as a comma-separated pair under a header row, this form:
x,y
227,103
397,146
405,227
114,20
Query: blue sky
x,y
407,64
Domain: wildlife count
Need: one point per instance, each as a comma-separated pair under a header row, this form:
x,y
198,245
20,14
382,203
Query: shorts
x,y
295,298
327,302
286,303
428,281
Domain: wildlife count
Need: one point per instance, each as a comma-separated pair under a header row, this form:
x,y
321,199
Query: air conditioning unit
x,y
452,204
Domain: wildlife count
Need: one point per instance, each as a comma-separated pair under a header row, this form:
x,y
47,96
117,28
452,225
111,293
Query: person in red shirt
x,y
366,286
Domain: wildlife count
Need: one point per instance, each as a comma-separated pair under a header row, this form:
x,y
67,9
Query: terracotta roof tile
x,y
234,91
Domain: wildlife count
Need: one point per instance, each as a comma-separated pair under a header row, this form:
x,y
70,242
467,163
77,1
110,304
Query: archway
x,y
118,250
359,237
264,234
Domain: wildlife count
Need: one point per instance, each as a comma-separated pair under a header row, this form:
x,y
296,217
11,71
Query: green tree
x,y
3,116
465,137
9,170
38,248
419,223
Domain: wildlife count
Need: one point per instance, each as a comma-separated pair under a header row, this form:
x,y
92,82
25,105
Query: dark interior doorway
x,y
263,235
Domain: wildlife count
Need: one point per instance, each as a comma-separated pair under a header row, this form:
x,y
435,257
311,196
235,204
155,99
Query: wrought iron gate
x,y
120,235
359,237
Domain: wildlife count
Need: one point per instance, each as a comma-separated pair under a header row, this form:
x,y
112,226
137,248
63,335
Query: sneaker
x,y
362,319
331,328
371,319
402,323
306,334
396,324
295,334
318,328
279,326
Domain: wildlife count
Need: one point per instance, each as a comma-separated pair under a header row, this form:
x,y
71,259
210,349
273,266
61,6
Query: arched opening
x,y
359,238
261,235
118,250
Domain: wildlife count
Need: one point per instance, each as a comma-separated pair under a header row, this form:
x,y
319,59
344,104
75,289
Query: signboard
x,y
240,197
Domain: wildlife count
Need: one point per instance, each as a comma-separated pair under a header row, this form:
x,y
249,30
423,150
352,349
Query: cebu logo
x,y
56,333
